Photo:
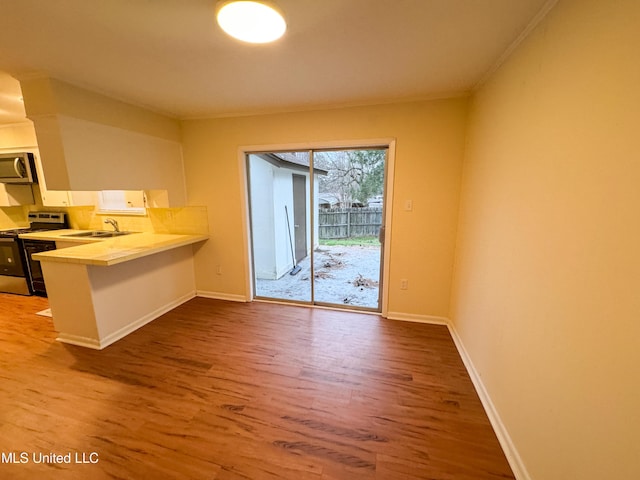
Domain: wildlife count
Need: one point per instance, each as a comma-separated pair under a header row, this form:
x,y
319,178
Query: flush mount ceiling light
x,y
251,21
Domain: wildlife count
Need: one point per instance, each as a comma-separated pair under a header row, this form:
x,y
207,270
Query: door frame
x,y
388,143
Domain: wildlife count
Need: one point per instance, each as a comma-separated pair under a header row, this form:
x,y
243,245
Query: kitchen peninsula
x,y
100,290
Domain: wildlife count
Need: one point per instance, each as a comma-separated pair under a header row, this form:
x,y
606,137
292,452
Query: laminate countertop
x,y
108,251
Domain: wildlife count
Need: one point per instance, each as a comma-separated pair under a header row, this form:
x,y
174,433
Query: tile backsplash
x,y
185,220
13,217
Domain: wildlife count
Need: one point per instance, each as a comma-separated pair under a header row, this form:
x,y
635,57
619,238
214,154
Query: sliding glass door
x,y
315,221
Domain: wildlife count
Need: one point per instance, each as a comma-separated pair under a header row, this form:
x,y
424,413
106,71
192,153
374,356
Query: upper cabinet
x,y
133,202
63,198
60,198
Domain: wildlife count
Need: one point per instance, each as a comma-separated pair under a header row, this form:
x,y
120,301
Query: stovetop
x,y
14,232
17,231
39,222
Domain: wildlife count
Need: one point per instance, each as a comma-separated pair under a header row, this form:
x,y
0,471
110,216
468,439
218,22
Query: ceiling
x,y
170,56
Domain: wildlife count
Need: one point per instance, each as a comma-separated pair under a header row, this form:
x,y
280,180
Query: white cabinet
x,y
14,195
83,198
131,202
53,198
135,198
62,198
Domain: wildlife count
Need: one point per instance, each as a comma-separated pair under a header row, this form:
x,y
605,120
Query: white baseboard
x,y
127,329
221,296
79,341
510,451
410,317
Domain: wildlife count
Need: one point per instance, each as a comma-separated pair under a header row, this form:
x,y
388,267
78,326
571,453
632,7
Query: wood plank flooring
x,y
225,391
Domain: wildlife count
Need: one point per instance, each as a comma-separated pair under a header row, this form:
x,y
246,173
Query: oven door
x,y
12,272
10,258
32,247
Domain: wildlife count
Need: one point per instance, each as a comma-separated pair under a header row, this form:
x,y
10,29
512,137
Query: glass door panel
x,y
347,261
280,222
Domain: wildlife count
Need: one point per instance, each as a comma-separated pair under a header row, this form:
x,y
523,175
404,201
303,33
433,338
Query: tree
x,y
353,175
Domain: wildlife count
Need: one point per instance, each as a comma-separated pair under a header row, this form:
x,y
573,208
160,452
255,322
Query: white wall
x,y
261,198
272,189
283,195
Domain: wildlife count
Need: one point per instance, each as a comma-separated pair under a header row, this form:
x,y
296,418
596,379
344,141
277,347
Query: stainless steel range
x,y
19,273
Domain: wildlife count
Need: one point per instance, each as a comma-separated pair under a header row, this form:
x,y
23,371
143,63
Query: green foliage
x,y
370,164
351,242
353,175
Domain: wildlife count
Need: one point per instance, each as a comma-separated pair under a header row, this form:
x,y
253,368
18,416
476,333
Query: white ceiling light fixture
x,y
251,21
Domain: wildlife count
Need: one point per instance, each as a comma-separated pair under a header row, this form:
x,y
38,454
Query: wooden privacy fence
x,y
349,222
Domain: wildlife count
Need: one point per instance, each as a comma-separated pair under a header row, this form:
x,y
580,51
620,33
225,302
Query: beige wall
x,y
547,280
17,136
427,170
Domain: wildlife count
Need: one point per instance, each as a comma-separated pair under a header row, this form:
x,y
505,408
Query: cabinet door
x,y
54,198
122,201
83,198
62,198
50,198
135,198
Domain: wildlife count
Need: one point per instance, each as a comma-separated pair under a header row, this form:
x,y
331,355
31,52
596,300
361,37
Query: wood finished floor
x,y
221,390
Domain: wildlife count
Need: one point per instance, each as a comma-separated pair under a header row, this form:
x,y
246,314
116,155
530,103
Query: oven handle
x,y
7,240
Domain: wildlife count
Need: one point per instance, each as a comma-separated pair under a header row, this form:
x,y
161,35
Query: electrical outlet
x,y
408,205
404,284
218,270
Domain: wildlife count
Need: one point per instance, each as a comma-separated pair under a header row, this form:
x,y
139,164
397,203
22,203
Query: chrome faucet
x,y
113,223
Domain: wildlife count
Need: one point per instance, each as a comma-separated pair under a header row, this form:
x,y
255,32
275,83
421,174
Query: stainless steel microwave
x,y
18,168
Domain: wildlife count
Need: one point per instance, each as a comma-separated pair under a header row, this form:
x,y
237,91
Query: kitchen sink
x,y
96,234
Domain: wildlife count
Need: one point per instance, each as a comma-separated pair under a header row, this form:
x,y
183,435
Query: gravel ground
x,y
343,275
